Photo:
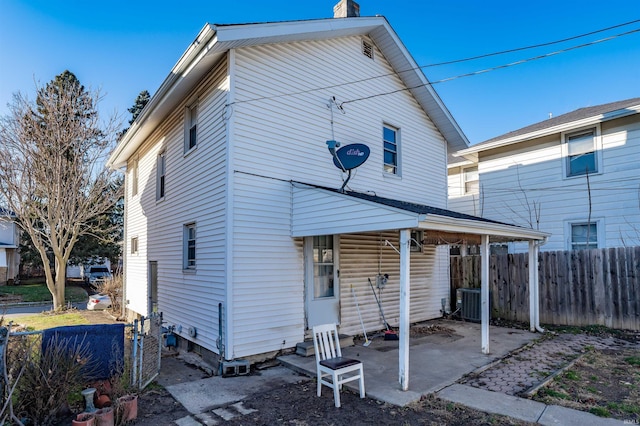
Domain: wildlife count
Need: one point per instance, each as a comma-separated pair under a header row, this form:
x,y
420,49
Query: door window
x,y
323,266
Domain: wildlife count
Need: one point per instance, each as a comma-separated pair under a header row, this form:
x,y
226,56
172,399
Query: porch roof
x,y
319,210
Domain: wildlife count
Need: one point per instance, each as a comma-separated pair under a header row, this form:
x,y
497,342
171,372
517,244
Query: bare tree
x,y
52,173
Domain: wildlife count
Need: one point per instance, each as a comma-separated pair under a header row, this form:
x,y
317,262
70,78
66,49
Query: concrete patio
x,y
436,360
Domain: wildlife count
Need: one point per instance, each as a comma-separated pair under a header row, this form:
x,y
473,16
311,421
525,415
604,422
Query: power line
x,y
533,46
459,61
522,61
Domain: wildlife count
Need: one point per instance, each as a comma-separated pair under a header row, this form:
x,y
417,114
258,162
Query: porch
x,y
441,352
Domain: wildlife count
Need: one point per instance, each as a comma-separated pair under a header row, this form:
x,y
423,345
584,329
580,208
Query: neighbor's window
x,y
584,236
191,127
134,178
134,245
581,153
190,246
390,141
471,180
161,176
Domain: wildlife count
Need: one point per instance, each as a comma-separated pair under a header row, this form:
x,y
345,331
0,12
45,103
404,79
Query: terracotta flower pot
x,y
104,417
84,419
103,401
129,406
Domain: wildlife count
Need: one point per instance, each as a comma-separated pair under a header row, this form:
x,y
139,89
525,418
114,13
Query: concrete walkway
x,y
436,360
447,362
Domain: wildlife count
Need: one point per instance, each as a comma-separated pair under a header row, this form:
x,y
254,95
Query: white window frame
x,y
465,181
189,239
191,127
135,245
134,178
161,178
385,166
597,151
600,236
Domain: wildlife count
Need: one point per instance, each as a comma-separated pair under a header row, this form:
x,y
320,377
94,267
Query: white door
x,y
322,284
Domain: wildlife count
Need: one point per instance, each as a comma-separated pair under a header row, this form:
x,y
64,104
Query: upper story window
x,y
134,178
134,245
584,236
471,180
191,128
161,172
190,246
391,155
581,152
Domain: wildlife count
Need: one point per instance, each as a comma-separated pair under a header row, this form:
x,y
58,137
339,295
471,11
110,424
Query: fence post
x,y
134,354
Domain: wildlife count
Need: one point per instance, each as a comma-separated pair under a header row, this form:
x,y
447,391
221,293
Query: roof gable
x,y
213,41
578,118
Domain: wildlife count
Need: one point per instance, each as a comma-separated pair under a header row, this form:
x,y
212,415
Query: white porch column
x,y
484,292
405,289
532,284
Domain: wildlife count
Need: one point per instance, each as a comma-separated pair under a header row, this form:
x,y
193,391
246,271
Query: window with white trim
x,y
584,235
581,152
471,180
390,147
161,174
191,127
134,178
134,245
189,246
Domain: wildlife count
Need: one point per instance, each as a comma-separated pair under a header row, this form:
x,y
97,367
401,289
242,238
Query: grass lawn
x,y
46,320
40,293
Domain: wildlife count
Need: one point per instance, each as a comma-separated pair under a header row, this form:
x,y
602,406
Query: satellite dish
x,y
351,156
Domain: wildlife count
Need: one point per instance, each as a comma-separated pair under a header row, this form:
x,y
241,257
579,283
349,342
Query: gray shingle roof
x,y
576,115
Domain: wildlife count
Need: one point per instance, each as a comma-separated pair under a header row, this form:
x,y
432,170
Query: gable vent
x,y
367,49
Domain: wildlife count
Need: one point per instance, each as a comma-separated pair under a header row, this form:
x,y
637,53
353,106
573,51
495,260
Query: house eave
x,y
600,118
214,41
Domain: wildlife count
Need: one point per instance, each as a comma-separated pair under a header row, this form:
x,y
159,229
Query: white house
x,y
235,208
575,176
9,244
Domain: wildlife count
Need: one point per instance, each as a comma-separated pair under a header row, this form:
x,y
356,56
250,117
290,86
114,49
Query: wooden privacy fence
x,y
581,287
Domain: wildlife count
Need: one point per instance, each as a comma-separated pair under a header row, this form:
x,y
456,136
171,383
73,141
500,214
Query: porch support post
x,y
484,292
405,288
532,285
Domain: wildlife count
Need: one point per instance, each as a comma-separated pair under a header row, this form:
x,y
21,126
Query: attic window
x,y
367,49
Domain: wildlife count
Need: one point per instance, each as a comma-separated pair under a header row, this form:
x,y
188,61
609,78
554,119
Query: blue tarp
x,y
105,343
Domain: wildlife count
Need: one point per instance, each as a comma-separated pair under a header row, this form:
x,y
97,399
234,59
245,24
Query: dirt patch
x,y
428,330
297,404
156,407
602,382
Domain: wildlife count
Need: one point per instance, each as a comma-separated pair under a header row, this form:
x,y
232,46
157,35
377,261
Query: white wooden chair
x,y
329,362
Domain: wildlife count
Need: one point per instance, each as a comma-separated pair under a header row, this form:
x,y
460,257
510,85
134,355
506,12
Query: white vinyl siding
x,y
279,133
198,195
363,256
281,125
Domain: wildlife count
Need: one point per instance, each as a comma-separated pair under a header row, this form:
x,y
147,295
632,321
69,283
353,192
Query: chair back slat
x,y
326,341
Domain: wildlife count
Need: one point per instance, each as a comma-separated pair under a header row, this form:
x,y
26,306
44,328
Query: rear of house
x,y
240,228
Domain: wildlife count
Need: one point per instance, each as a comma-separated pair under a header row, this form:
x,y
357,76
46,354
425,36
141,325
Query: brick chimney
x,y
346,9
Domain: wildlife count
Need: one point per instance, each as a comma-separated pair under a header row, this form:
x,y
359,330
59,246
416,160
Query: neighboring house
x,y
233,202
9,244
576,176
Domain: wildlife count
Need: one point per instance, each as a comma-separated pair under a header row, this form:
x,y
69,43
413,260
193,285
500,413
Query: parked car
x,y
99,301
97,274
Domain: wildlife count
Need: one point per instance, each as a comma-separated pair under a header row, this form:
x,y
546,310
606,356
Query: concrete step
x,y
306,348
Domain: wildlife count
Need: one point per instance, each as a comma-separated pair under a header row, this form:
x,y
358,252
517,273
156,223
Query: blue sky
x,y
125,47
